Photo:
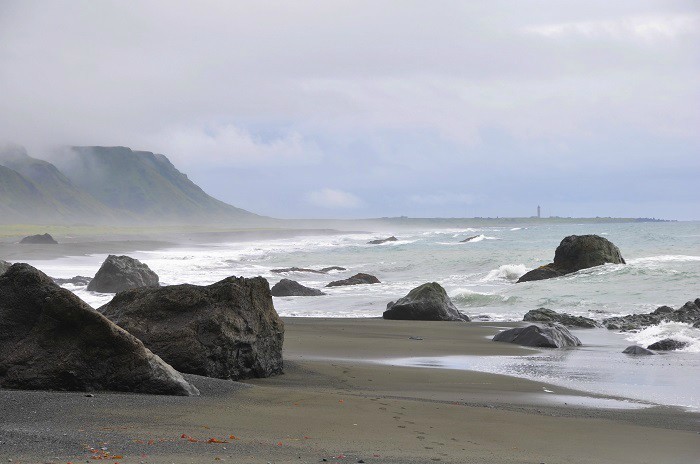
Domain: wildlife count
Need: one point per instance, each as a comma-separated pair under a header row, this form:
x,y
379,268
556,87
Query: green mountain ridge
x,y
105,185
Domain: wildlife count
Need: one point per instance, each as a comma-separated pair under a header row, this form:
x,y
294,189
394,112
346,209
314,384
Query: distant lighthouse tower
x,y
539,211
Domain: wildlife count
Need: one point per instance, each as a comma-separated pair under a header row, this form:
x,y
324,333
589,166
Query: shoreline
x,y
327,408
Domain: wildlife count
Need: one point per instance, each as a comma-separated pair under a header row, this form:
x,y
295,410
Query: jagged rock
x,y
667,344
286,287
357,279
689,313
428,302
324,270
574,253
77,280
119,273
4,266
637,350
547,336
228,329
44,239
51,340
383,240
547,315
469,239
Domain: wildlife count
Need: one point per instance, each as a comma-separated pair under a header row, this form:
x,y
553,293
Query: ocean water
x,y
663,268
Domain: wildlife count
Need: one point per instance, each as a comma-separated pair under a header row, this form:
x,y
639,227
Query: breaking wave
x,y
675,330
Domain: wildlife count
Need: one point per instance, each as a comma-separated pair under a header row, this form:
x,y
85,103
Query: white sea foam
x,y
675,330
466,297
516,228
664,259
509,272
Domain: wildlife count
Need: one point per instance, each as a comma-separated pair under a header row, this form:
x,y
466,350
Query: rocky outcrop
x,y
637,350
44,239
77,280
667,344
547,315
119,273
4,266
357,279
469,239
51,340
574,253
286,287
546,336
689,313
383,240
228,330
428,302
324,270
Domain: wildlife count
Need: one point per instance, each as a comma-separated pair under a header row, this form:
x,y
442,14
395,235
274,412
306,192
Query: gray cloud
x,y
396,103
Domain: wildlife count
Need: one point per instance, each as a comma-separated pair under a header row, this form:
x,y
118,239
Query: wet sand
x,y
332,404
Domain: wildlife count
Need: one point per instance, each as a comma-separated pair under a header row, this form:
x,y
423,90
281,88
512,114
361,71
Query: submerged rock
x,y
428,302
45,239
574,253
383,240
324,270
547,336
119,273
667,344
689,313
4,266
286,287
637,350
548,315
77,280
357,279
51,340
469,239
228,330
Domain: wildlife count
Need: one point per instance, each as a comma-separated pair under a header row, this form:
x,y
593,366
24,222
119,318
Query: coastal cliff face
x,y
107,185
574,253
228,329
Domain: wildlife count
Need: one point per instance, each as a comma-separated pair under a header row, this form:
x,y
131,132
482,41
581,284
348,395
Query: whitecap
x,y
674,330
510,272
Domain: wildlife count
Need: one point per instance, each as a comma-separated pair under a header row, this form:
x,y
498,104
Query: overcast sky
x,y
376,108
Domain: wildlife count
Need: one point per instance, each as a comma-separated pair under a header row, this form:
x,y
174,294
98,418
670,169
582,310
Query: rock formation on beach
x,y
40,239
427,302
228,330
546,336
567,320
574,253
4,266
77,280
119,273
637,350
324,270
667,344
383,240
357,279
51,340
689,313
286,287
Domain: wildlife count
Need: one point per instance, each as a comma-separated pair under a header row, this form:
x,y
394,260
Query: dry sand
x,y
332,405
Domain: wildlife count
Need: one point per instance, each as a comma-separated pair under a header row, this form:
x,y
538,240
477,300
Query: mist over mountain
x,y
105,185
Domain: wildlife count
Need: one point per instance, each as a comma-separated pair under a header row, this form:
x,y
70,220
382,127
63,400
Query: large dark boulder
x,y
548,315
428,302
228,330
637,350
547,336
4,266
44,239
667,344
119,273
357,279
286,287
574,253
689,313
383,240
51,340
